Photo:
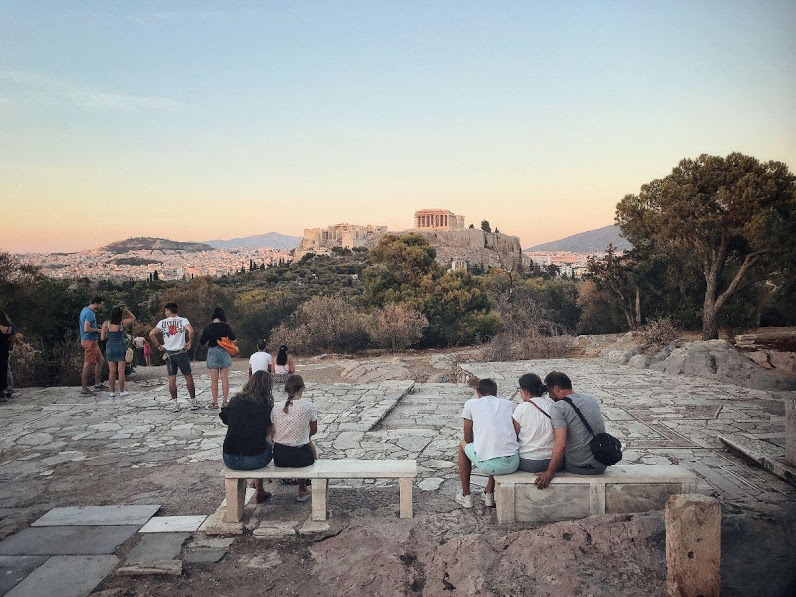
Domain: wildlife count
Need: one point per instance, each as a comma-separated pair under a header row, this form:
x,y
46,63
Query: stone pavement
x,y
660,419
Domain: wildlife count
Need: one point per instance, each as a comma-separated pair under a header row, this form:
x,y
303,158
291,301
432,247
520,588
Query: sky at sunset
x,y
200,120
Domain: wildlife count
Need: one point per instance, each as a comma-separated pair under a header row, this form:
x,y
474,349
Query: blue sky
x,y
246,117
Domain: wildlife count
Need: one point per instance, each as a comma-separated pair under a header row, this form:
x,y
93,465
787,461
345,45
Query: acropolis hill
x,y
456,245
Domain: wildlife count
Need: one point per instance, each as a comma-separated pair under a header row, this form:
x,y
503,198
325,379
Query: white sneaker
x,y
489,499
123,394
465,501
112,394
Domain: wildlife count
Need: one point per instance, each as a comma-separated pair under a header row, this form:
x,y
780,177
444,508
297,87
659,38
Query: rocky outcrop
x,y
718,359
712,359
476,247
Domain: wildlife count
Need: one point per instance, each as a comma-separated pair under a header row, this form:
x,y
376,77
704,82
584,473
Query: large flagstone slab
x,y
174,524
156,547
14,568
98,516
55,541
66,576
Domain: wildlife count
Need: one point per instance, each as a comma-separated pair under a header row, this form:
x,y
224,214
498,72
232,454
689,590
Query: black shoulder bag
x,y
605,447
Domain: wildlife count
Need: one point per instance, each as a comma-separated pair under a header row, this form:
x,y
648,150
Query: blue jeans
x,y
240,462
589,469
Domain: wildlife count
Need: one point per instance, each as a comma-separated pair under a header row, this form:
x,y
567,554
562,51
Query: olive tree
x,y
735,215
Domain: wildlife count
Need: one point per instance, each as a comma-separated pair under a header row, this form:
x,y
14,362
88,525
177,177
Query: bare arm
x,y
313,428
543,479
88,329
104,331
153,335
516,427
468,431
189,332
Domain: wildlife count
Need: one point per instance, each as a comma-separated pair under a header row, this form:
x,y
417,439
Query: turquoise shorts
x,y
502,465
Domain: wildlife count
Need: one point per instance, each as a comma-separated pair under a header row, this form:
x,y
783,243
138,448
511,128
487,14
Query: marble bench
x,y
323,470
622,488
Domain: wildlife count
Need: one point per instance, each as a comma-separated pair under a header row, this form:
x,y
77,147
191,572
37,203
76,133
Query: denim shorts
x,y
502,465
241,462
218,358
178,360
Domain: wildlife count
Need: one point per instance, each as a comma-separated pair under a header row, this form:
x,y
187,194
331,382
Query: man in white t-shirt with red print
x,y
490,442
177,335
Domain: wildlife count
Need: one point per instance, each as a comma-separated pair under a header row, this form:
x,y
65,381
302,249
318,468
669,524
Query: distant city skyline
x,y
208,120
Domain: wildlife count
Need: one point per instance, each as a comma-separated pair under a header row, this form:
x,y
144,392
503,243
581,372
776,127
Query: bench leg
x,y
319,493
597,499
236,497
406,497
504,502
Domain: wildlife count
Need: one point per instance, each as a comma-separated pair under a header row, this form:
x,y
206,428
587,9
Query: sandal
x,y
303,497
212,406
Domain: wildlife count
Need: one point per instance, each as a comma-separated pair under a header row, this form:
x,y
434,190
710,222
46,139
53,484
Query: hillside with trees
x,y
714,248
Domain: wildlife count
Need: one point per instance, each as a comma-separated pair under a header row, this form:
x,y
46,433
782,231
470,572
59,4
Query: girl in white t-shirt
x,y
533,425
293,425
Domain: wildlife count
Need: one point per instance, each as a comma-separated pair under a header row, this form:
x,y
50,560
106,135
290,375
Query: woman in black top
x,y
248,418
218,359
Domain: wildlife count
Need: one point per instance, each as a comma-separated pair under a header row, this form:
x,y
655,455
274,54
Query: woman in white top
x,y
533,425
293,425
284,363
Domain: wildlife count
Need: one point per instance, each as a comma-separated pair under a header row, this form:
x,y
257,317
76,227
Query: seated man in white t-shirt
x,y
260,360
490,441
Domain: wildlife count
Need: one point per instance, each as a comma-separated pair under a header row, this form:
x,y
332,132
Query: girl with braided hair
x,y
293,425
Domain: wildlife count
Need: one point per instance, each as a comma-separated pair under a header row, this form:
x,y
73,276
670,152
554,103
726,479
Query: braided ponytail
x,y
293,385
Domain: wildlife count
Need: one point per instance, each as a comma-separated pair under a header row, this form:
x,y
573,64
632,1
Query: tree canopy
x,y
735,215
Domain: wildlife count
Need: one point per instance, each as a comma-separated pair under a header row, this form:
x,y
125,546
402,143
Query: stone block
x,y
693,546
276,528
66,576
624,498
555,503
98,516
66,540
203,556
168,567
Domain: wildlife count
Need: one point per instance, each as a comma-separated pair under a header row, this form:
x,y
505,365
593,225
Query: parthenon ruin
x,y
438,219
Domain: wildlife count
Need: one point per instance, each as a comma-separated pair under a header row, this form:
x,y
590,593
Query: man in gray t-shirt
x,y
571,436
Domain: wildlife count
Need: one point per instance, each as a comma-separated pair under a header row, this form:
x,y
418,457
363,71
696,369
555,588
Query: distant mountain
x,y
145,243
272,239
593,241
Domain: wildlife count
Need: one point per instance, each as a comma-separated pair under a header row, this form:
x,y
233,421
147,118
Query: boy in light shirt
x,y
490,441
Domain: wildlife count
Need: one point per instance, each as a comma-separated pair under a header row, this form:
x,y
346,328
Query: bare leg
x,y
225,384
98,369
302,487
314,451
112,376
148,358
260,495
490,485
465,468
214,385
191,387
173,386
84,375
122,366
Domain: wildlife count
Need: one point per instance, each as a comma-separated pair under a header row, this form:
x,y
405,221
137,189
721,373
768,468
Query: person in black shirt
x,y
218,359
248,418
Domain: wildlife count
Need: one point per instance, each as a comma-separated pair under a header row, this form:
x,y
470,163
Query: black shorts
x,y
178,360
293,456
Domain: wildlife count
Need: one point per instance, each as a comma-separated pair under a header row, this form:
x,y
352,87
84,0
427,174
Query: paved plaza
x,y
54,438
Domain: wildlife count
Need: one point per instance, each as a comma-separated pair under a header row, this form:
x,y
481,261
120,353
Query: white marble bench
x,y
622,488
323,470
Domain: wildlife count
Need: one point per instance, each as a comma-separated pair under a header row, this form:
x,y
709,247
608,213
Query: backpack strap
x,y
580,414
539,409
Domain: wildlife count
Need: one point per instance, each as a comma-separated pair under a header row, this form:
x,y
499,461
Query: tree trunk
x,y
710,311
638,306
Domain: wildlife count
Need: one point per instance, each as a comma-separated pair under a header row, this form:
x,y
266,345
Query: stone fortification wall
x,y
474,246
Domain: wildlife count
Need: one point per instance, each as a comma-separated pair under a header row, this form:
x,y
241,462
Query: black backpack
x,y
605,447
